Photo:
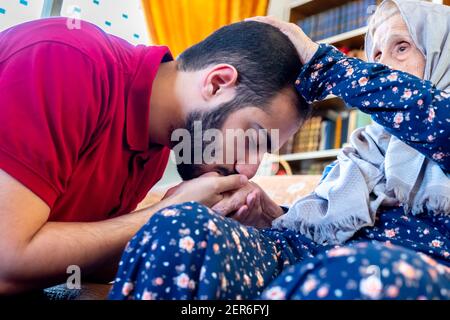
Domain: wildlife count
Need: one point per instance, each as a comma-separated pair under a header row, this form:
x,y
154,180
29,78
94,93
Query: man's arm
x,y
35,253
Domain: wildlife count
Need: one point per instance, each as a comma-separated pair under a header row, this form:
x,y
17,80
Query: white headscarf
x,y
378,166
429,26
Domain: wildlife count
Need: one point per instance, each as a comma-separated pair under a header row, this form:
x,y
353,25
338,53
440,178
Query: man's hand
x,y
249,205
207,189
306,48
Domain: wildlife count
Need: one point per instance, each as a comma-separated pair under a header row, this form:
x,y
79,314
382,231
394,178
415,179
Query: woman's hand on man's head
x,y
306,48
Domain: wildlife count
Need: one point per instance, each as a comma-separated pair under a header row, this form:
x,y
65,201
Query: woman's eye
x,y
402,47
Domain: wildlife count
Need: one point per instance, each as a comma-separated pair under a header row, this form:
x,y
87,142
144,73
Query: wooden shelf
x,y
330,102
351,39
303,8
323,154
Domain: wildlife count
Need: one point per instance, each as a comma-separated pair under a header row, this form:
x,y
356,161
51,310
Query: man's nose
x,y
249,170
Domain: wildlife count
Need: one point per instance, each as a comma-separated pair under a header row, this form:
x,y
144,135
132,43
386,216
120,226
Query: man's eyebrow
x,y
268,138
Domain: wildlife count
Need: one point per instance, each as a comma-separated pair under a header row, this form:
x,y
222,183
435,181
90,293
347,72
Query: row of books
x,y
328,131
350,16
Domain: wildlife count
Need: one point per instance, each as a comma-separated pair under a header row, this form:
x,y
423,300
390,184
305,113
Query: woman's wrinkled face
x,y
394,47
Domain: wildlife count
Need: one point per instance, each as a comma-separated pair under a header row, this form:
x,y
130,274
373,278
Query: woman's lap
x,y
188,252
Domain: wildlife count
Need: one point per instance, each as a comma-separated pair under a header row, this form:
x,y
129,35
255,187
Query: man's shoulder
x,y
80,35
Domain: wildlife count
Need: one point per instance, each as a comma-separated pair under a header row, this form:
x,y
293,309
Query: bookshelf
x,y
312,161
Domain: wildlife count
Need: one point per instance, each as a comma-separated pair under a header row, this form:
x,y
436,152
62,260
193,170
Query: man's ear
x,y
217,80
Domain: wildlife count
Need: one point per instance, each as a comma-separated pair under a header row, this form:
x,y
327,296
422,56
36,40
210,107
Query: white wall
x,y
121,18
13,12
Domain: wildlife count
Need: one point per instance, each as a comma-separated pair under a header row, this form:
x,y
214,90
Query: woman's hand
x,y
249,205
306,48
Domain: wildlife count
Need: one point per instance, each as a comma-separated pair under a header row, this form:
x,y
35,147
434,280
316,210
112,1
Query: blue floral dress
x,y
189,252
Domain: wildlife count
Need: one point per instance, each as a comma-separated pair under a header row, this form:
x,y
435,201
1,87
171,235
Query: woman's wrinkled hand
x,y
306,48
249,205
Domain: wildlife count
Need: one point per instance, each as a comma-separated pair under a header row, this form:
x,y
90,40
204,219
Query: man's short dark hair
x,y
266,60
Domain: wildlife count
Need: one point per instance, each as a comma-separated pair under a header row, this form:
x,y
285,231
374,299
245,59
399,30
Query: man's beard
x,y
213,119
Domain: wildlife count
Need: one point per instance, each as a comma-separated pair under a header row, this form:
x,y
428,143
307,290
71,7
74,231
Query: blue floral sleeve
x,y
409,108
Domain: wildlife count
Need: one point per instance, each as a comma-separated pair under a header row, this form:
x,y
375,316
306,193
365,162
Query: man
x,y
86,126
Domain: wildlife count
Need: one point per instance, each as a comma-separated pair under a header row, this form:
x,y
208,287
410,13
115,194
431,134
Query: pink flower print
x,y
431,138
371,287
247,280
127,288
216,248
158,281
431,115
182,280
187,243
169,212
322,292
148,295
339,252
398,118
446,254
394,89
309,285
392,77
349,72
436,243
427,259
420,102
223,283
363,81
260,279
236,239
318,66
407,94
244,231
438,156
276,293
426,231
392,291
390,233
212,226
381,104
407,270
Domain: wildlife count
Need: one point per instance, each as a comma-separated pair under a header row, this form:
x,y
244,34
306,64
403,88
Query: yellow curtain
x,y
182,23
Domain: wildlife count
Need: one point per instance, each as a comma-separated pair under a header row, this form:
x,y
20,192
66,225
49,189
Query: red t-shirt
x,y
74,118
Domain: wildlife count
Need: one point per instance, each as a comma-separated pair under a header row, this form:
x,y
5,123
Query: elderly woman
x,y
189,252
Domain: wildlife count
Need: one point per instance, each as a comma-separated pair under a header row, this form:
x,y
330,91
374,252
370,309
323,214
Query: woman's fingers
x,y
304,45
241,214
